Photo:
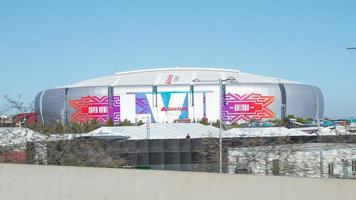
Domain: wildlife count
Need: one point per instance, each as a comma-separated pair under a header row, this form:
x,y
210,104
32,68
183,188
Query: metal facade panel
x,y
304,100
37,107
53,106
301,100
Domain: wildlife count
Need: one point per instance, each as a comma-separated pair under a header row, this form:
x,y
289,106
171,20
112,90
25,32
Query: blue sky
x,y
44,44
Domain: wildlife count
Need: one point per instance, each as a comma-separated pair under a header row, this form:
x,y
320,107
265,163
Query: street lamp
x,y
350,48
221,82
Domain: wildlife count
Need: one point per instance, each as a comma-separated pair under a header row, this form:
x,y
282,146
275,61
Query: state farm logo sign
x,y
167,109
247,107
93,107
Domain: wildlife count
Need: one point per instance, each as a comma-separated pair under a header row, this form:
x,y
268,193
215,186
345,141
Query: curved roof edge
x,y
155,77
177,69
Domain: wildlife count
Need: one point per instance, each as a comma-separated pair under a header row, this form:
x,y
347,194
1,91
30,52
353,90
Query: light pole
x,y
221,98
148,127
349,48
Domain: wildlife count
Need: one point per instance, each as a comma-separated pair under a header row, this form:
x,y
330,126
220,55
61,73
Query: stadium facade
x,y
174,95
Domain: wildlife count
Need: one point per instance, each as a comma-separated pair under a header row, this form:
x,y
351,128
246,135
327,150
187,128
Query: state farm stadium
x,y
179,95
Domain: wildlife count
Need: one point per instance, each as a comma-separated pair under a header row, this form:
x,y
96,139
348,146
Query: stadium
x,y
168,95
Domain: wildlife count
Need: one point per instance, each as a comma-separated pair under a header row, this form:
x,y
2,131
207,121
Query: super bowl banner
x,y
173,106
99,108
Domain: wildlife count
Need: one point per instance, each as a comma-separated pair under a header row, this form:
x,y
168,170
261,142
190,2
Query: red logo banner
x,y
93,107
247,107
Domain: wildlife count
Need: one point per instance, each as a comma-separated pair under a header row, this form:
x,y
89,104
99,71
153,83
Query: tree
x,y
216,123
83,152
94,124
301,120
126,122
139,123
85,127
204,121
291,117
110,122
59,128
207,159
16,105
234,125
280,122
75,128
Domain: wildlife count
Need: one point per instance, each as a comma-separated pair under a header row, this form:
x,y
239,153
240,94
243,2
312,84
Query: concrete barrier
x,y
31,182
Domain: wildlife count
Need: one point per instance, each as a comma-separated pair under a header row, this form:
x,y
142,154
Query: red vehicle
x,y
26,119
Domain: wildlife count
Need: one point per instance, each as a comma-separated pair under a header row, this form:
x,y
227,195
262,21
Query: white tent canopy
x,y
156,131
195,130
15,136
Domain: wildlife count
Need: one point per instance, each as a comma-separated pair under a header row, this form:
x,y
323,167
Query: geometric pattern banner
x,y
92,107
169,106
142,104
247,107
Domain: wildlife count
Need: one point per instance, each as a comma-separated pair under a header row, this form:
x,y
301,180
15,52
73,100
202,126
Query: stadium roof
x,y
178,76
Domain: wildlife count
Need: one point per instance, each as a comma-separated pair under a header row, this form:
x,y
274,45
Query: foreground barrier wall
x,y
31,182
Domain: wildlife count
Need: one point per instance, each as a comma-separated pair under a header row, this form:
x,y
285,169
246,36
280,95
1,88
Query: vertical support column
x,y
317,112
204,105
192,100
192,94
223,104
284,101
66,121
111,104
222,92
41,107
321,163
154,99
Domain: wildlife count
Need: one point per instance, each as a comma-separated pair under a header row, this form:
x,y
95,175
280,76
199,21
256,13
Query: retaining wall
x,y
31,182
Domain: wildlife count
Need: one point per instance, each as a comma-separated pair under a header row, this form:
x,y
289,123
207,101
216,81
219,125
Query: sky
x,y
45,44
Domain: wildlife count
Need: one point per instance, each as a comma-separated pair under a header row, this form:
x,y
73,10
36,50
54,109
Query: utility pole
x,y
148,127
221,83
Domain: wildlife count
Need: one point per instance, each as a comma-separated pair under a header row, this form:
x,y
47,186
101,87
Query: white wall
x,y
306,160
26,182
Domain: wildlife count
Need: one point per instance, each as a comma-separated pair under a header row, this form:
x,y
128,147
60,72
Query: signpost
x,y
222,92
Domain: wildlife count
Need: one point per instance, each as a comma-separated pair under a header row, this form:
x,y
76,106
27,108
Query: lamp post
x,y
148,127
221,97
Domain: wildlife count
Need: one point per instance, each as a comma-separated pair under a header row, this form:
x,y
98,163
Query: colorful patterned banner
x,y
142,104
247,107
171,106
93,107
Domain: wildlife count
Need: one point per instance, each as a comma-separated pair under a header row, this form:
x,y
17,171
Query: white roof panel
x,y
157,131
195,130
168,76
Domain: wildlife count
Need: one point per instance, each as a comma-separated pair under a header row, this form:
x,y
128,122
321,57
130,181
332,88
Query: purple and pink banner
x,y
252,106
99,108
247,107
